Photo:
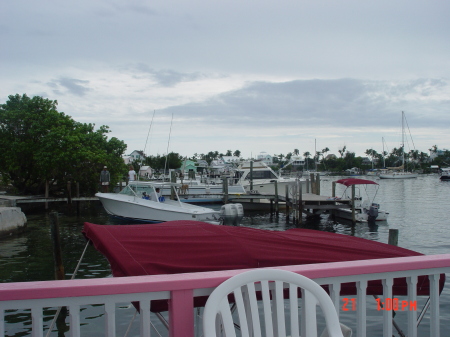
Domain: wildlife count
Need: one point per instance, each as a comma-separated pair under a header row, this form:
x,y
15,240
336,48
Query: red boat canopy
x,y
354,181
191,246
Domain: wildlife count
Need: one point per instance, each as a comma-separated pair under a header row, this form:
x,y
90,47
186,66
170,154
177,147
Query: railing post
x,y
387,313
412,298
434,305
181,314
361,309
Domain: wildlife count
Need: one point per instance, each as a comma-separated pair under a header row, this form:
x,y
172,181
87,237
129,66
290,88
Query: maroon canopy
x,y
191,246
354,181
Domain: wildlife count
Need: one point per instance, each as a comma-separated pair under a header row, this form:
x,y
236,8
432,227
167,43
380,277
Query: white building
x,y
265,158
145,171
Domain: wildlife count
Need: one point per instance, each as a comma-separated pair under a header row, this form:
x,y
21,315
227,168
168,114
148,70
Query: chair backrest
x,y
248,287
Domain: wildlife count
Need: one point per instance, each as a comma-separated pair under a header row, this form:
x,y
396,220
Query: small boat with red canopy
x,y
365,210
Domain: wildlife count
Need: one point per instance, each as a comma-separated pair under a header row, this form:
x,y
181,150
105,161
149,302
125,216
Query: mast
x,y
403,141
384,159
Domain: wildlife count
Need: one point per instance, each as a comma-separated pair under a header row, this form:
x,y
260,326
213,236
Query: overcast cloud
x,y
262,76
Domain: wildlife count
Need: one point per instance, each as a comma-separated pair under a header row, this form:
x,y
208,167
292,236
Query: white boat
x,y
205,190
141,200
445,173
399,172
365,210
259,179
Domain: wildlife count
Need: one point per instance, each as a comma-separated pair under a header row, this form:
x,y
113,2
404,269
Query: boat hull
x,y
346,213
131,207
400,175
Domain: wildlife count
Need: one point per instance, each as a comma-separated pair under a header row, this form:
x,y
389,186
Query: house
x,y
265,158
127,159
188,166
145,171
297,161
137,155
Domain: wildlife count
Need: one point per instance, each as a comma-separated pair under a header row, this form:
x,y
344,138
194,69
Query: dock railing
x,y
180,289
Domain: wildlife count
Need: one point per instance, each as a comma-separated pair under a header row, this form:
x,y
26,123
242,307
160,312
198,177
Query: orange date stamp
x,y
388,304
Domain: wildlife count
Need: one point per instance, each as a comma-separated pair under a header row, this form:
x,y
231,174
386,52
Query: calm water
x,y
419,209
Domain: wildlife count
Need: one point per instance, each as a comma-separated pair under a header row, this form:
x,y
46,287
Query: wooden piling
x,y
46,193
251,176
287,200
333,189
313,183
69,192
56,241
307,185
300,203
276,198
78,203
393,237
353,205
173,179
318,184
225,190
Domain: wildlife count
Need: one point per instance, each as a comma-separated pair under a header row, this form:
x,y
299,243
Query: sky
x,y
255,76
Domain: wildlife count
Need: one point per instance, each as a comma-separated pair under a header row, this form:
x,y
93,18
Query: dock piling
x,y
393,237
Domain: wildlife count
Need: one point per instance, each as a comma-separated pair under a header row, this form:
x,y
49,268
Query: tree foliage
x,y
40,144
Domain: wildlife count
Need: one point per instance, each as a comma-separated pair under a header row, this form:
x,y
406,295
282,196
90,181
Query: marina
x,y
23,256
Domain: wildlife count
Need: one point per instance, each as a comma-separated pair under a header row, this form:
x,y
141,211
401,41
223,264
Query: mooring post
x,y
353,205
393,237
78,197
173,179
313,184
333,189
276,197
300,203
307,185
251,176
69,192
287,201
46,194
225,190
57,256
318,184
56,240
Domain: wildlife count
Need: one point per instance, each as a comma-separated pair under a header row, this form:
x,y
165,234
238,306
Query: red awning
x,y
354,181
190,246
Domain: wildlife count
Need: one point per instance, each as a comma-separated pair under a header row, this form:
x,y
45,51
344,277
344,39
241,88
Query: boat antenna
x,y
167,151
146,141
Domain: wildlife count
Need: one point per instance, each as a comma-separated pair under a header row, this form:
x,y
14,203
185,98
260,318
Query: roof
x,y
191,246
354,181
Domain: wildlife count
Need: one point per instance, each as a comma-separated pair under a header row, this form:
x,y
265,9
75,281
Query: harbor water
x,y
418,208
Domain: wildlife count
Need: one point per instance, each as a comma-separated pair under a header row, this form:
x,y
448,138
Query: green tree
x,y
237,153
40,144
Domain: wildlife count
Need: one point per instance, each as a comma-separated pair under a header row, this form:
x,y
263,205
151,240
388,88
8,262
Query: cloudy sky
x,y
198,76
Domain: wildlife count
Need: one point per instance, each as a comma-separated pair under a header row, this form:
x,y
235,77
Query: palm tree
x,y
342,151
296,152
307,155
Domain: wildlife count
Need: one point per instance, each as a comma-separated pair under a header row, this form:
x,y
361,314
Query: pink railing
x,y
180,289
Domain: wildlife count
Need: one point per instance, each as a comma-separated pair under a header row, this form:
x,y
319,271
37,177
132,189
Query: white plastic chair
x,y
245,288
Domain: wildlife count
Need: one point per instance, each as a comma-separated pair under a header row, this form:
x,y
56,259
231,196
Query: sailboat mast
x,y
403,141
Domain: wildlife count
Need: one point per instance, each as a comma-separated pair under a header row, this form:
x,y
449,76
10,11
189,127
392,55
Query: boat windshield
x,y
137,190
266,174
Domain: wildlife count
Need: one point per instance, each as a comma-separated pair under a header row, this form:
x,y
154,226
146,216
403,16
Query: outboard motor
x,y
231,214
373,212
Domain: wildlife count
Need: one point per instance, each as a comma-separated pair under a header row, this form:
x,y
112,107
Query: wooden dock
x,y
15,200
